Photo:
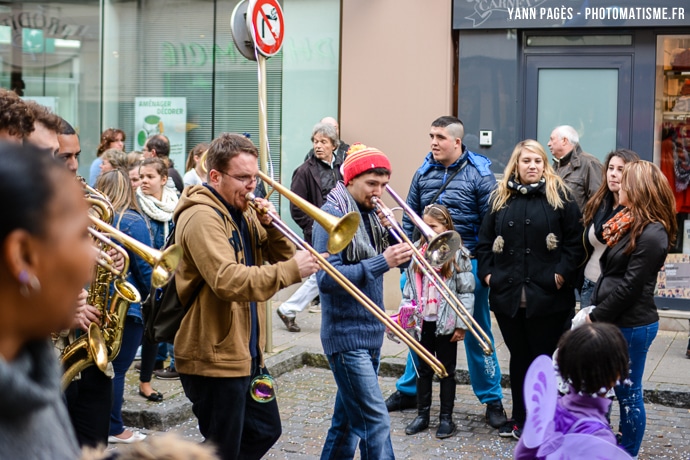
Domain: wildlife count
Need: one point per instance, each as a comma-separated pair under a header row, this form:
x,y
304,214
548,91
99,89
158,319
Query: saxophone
x,y
101,345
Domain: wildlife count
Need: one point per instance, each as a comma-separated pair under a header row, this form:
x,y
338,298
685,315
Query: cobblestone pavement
x,y
306,397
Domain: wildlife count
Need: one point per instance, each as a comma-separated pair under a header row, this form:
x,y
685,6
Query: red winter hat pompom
x,y
360,159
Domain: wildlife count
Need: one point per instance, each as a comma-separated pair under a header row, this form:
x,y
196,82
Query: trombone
x,y
335,233
427,267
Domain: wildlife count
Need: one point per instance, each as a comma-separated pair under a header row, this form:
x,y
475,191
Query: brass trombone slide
x,y
441,247
355,292
399,234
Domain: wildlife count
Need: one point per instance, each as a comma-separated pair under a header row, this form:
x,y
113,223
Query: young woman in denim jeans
x,y
600,208
637,238
129,220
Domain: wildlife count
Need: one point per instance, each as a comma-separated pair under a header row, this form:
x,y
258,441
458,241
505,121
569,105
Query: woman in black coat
x,y
638,238
529,248
599,209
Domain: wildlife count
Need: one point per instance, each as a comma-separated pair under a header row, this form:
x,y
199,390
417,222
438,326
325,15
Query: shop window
x,y
49,53
672,136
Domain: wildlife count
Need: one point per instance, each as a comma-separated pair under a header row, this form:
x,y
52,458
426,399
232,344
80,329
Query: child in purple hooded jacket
x,y
592,359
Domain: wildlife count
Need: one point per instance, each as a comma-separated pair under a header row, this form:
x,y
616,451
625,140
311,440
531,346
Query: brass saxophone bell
x,y
263,388
97,348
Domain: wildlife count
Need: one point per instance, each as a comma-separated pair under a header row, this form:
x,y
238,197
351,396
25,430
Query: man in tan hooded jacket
x,y
239,260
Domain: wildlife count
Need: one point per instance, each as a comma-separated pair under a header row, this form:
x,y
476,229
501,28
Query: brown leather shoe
x,y
290,323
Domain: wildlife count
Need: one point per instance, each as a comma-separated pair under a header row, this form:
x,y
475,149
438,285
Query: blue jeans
x,y
165,350
131,338
360,414
485,373
586,293
633,418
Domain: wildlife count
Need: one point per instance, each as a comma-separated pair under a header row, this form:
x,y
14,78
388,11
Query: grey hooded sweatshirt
x,y
34,423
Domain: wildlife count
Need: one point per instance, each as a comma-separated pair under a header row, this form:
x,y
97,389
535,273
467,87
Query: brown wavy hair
x,y
650,199
15,116
198,149
108,136
594,203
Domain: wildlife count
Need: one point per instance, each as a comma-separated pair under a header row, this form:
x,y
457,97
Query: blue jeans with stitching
x,y
633,418
360,415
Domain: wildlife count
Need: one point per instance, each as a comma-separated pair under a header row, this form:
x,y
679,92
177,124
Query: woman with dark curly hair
x,y
112,138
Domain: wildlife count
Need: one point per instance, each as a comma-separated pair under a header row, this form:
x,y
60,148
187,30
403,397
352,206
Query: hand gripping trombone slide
x,y
426,267
346,284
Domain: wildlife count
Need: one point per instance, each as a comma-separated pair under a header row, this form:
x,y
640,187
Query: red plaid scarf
x,y
617,227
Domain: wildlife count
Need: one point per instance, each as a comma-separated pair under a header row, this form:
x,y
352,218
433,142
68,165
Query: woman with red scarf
x,y
637,238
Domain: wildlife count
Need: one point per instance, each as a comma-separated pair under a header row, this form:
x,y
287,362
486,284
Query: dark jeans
x,y
131,338
527,338
446,352
229,418
439,346
89,400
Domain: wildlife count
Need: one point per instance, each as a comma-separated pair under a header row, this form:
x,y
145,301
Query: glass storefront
x,y
50,52
150,66
672,133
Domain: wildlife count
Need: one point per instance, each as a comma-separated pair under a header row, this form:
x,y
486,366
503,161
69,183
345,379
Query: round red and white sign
x,y
266,24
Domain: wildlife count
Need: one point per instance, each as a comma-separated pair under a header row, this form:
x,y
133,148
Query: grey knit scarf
x,y
360,247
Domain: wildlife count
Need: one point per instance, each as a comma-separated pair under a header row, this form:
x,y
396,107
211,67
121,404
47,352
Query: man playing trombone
x,y
351,336
219,346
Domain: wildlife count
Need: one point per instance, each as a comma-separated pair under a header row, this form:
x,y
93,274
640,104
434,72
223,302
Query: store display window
x,y
672,136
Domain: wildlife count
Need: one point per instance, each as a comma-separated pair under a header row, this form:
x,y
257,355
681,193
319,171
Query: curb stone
x,y
176,408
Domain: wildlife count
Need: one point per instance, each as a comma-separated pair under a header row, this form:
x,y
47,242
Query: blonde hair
x,y
556,190
650,199
117,187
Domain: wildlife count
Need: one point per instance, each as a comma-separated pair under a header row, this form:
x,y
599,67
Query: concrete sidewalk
x,y
666,378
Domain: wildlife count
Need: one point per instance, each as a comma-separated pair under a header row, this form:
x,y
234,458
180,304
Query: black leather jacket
x,y
624,294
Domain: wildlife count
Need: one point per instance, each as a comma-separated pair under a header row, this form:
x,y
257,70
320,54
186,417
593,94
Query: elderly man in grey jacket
x,y
581,171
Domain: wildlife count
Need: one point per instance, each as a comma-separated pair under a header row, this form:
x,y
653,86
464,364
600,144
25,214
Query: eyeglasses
x,y
245,180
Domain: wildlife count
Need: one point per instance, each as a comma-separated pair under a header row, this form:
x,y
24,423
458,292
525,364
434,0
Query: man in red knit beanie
x,y
361,158
350,335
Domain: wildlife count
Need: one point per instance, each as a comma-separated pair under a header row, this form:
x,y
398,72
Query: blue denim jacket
x,y
158,232
133,224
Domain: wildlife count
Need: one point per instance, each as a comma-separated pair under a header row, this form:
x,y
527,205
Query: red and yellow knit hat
x,y
360,159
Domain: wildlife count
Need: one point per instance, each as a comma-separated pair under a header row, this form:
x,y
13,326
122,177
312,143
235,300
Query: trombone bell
x,y
443,247
340,230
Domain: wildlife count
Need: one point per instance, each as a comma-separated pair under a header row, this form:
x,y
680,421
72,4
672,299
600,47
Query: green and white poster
x,y
162,115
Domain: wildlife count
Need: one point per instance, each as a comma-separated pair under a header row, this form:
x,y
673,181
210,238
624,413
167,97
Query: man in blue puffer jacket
x,y
465,182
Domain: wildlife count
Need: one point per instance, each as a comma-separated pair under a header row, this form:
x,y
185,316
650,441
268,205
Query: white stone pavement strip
x,y
306,397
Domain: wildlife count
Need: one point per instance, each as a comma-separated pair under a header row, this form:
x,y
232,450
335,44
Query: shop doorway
x,y
592,93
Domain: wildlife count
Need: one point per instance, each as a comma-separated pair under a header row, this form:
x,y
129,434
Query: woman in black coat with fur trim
x,y
528,251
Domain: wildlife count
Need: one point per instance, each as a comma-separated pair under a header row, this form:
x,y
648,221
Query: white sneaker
x,y
136,437
315,309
